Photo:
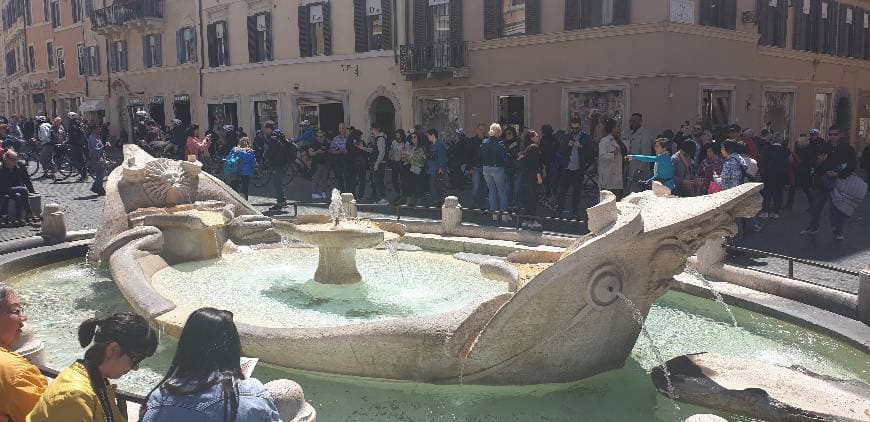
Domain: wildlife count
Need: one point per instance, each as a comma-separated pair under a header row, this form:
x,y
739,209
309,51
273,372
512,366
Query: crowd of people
x,y
204,382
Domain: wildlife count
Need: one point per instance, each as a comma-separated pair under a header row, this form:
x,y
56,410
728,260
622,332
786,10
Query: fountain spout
x,y
336,208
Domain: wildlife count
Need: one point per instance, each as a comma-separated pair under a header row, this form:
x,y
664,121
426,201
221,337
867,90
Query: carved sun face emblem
x,y
167,183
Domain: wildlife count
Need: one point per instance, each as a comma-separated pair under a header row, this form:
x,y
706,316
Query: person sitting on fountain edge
x,y
81,392
21,383
205,382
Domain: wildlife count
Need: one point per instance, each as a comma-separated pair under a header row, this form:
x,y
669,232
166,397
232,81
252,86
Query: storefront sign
x,y
184,98
437,2
373,7
156,100
683,11
132,102
315,13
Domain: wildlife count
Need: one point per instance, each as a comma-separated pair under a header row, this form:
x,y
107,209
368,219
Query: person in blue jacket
x,y
241,162
663,166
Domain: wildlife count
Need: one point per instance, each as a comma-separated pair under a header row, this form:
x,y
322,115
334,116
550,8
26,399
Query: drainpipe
x,y
395,32
202,57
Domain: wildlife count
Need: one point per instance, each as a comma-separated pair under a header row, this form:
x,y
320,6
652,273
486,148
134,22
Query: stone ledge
x,y
837,326
28,259
456,244
25,243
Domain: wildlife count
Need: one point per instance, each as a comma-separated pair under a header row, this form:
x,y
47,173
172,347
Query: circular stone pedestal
x,y
337,266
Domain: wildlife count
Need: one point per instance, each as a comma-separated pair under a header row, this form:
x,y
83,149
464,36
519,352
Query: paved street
x,y
83,210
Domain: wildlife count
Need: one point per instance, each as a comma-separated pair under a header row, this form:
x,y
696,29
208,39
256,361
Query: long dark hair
x,y
209,344
133,335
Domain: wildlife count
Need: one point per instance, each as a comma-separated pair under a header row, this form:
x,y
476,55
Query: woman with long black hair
x,y
81,392
205,381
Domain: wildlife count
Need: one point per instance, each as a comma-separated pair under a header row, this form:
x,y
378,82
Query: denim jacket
x,y
255,405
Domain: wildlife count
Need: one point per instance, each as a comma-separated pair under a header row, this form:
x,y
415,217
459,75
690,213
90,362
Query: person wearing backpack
x,y
774,175
240,164
836,162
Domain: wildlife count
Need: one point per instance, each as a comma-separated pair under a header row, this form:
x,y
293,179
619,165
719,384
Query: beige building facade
x,y
326,62
787,65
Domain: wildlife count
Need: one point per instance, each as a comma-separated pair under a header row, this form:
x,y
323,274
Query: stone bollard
x,y
290,401
710,255
349,205
53,223
451,214
864,296
705,418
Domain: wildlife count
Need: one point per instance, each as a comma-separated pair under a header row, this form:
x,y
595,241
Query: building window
x,y
505,18
31,59
61,64
186,45
716,107
513,17
223,114
89,62
49,49
865,35
593,13
372,20
89,8
778,113
265,111
772,16
442,114
76,6
315,37
260,37
153,53
218,44
11,66
720,13
846,30
55,14
118,56
594,108
511,111
46,11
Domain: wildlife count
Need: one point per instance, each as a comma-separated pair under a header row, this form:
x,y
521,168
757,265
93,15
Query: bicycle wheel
x,y
32,160
288,176
262,177
65,168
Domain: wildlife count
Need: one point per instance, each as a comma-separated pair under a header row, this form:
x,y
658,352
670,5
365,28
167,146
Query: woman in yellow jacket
x,y
81,392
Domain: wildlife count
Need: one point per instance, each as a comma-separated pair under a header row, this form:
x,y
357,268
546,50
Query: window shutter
x,y
113,58
225,44
572,14
123,57
533,17
179,46
843,44
705,12
95,64
783,23
798,26
831,32
421,13
193,55
621,12
585,20
211,36
327,30
146,58
253,56
730,13
158,50
492,19
761,17
304,32
456,34
82,61
267,55
360,30
387,24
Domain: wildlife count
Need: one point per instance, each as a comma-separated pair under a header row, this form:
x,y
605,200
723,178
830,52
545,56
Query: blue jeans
x,y
838,220
21,196
478,189
497,183
822,197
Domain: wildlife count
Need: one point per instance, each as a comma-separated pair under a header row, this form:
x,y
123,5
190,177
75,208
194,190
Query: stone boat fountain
x,y
516,308
562,324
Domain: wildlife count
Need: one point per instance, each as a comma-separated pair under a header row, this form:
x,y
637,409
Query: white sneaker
x,y
495,217
382,202
526,224
535,225
316,196
763,215
505,218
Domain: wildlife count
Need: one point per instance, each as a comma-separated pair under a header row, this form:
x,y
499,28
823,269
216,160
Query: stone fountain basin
x,y
321,231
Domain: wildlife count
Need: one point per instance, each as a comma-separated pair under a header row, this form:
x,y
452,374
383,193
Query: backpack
x,y
231,165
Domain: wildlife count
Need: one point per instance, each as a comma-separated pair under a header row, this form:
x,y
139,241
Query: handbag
x,y
713,188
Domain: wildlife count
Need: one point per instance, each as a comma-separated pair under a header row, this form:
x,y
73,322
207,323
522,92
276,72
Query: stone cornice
x,y
809,56
301,60
711,32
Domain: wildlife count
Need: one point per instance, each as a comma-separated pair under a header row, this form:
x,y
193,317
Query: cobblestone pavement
x,y
83,211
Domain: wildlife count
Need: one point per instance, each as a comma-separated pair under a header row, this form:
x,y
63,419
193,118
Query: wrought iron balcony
x,y
124,13
434,60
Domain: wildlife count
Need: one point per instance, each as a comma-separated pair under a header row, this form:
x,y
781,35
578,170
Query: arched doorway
x,y
383,113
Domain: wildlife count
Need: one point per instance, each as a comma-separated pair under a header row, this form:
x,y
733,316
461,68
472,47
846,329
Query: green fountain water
x,y
60,296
